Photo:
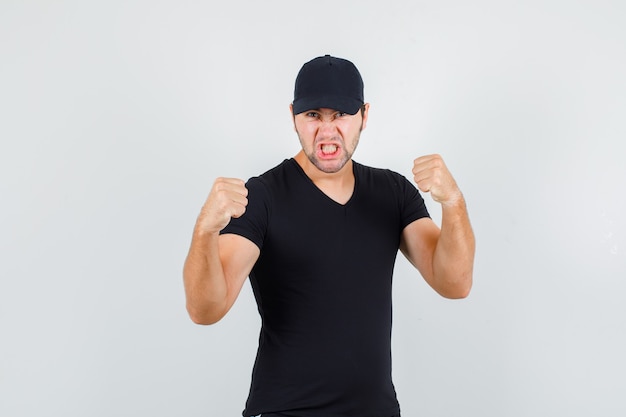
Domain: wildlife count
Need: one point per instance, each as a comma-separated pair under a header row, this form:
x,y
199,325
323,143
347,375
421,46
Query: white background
x,y
116,116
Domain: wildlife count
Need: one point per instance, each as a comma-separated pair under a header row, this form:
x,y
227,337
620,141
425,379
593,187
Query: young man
x,y
318,236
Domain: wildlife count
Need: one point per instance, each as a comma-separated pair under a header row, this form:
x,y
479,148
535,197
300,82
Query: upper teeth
x,y
329,148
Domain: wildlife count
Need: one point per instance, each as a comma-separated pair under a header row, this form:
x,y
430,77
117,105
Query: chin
x,y
330,168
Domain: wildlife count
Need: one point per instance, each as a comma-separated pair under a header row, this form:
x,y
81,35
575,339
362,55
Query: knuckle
x,y
218,185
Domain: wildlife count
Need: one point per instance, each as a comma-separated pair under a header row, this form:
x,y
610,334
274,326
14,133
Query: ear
x,y
365,115
293,116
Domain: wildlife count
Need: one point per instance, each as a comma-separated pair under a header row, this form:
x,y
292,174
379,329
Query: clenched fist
x,y
227,199
431,175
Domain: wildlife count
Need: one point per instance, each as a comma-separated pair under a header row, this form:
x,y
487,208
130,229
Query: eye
x,y
313,114
340,114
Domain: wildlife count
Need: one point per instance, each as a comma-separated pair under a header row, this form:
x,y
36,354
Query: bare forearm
x,y
205,284
453,260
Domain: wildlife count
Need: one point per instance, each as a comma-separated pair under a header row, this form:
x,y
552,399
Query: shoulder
x,y
274,184
275,175
372,176
269,177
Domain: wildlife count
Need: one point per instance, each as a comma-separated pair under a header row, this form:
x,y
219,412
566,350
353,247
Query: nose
x,y
327,129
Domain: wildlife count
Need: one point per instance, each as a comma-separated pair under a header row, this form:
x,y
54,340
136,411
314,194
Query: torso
x,y
323,287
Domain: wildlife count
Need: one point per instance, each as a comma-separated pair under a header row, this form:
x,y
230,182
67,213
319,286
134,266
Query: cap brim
x,y
342,104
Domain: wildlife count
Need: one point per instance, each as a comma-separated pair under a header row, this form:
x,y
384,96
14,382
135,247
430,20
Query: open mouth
x,y
329,149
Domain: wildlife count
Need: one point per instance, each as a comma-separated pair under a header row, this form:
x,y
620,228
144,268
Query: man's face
x,y
329,137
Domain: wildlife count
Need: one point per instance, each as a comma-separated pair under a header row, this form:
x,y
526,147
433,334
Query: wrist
x,y
457,200
206,233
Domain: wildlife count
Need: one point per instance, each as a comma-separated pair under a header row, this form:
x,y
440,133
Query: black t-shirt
x,y
323,288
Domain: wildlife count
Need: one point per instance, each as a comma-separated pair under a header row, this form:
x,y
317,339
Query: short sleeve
x,y
413,205
253,223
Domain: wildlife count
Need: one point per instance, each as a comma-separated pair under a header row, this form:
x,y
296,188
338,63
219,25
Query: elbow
x,y
458,293
204,318
203,321
459,289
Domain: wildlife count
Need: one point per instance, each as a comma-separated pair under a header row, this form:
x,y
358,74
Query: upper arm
x,y
418,242
237,255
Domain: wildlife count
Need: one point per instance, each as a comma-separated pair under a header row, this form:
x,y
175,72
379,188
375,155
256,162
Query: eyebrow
x,y
330,110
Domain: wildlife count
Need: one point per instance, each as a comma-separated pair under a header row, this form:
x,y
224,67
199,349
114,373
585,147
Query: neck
x,y
337,185
345,174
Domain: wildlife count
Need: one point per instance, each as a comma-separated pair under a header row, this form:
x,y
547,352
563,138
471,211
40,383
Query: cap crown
x,y
328,82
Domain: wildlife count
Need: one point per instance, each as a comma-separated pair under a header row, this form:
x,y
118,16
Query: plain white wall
x,y
116,116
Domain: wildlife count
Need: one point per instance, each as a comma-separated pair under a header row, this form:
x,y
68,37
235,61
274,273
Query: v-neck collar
x,y
310,181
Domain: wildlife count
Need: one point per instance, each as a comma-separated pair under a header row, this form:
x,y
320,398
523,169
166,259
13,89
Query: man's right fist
x,y
227,199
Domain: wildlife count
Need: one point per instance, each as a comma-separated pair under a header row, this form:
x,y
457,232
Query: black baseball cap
x,y
328,82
